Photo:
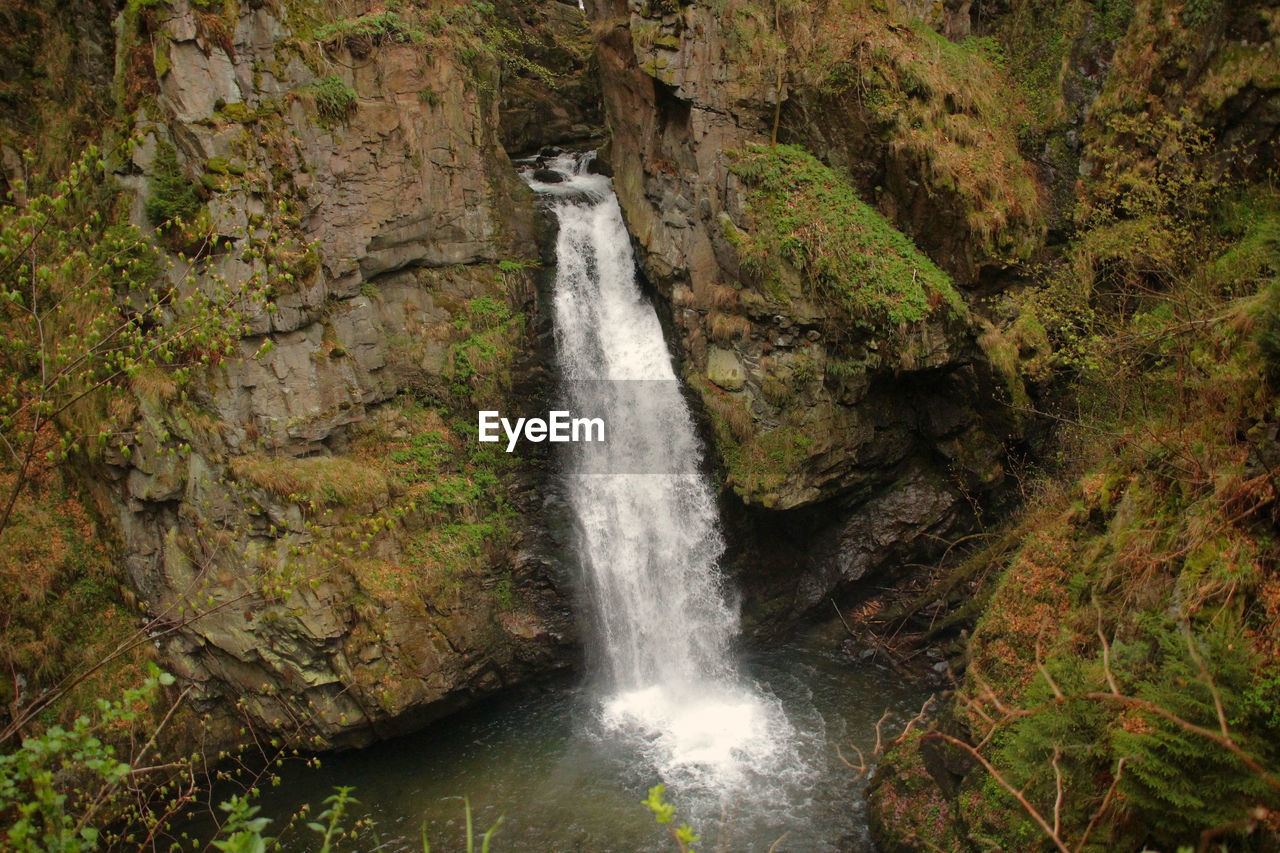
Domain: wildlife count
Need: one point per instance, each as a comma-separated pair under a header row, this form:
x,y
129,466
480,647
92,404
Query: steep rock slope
x,y
839,365
1119,684
318,544
408,292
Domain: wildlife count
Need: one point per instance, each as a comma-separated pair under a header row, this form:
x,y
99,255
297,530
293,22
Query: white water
x,y
647,529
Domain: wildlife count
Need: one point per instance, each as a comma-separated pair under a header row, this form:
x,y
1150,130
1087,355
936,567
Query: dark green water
x,y
562,781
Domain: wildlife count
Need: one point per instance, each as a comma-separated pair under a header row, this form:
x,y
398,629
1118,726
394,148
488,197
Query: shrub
x,y
173,193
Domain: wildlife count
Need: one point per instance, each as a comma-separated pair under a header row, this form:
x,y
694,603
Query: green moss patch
x,y
805,215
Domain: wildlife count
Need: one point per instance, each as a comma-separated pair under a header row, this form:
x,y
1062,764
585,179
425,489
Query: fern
x,y
1179,782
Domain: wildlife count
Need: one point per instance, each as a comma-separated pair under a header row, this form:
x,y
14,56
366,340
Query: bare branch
x,y
1057,786
1106,801
1044,671
1003,783
1208,680
1106,652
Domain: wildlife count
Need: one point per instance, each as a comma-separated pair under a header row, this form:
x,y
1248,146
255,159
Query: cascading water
x,y
648,537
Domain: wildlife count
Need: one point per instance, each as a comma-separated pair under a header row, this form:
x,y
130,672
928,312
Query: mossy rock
x,y
806,216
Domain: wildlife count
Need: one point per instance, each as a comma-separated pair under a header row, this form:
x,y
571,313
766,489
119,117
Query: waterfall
x,y
647,527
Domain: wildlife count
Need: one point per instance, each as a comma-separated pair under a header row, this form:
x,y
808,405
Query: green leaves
x,y
335,101
173,195
243,828
664,812
33,777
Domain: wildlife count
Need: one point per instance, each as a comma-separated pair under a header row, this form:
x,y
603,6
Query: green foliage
x,y
805,215
1163,310
173,195
376,28
480,363
1145,229
426,454
1269,331
515,266
243,827
664,812
49,814
96,331
1114,16
947,113
1198,13
335,101
1164,782
86,314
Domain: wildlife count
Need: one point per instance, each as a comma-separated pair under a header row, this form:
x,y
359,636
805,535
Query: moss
x,y
1155,545
222,166
760,467
944,118
907,807
805,215
238,112
162,61
759,460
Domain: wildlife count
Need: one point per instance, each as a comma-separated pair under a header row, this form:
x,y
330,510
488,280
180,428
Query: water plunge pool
x,y
561,779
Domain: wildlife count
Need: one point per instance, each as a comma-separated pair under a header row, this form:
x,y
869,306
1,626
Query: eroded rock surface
x,y
332,560
848,427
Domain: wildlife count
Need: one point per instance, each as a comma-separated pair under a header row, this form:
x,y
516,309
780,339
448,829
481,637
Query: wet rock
x,y
724,369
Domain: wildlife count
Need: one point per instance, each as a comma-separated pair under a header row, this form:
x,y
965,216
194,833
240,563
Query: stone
x,y
410,204
725,369
197,81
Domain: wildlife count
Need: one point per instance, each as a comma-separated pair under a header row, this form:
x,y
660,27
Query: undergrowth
x,y
1128,652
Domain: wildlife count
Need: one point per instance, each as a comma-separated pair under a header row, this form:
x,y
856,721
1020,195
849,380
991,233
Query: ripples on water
x,y
556,770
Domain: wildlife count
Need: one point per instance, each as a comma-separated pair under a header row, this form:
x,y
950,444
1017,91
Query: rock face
x,y
850,406
539,109
324,549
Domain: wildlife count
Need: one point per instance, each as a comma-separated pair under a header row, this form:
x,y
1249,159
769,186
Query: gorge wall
x,y
880,235
852,408
339,433
311,531
317,546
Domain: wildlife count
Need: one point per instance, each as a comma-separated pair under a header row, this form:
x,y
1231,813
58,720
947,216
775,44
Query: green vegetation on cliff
x,y
1122,689
950,118
804,214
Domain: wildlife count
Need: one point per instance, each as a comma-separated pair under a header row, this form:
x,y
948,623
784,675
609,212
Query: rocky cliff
x,y
319,548
850,403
